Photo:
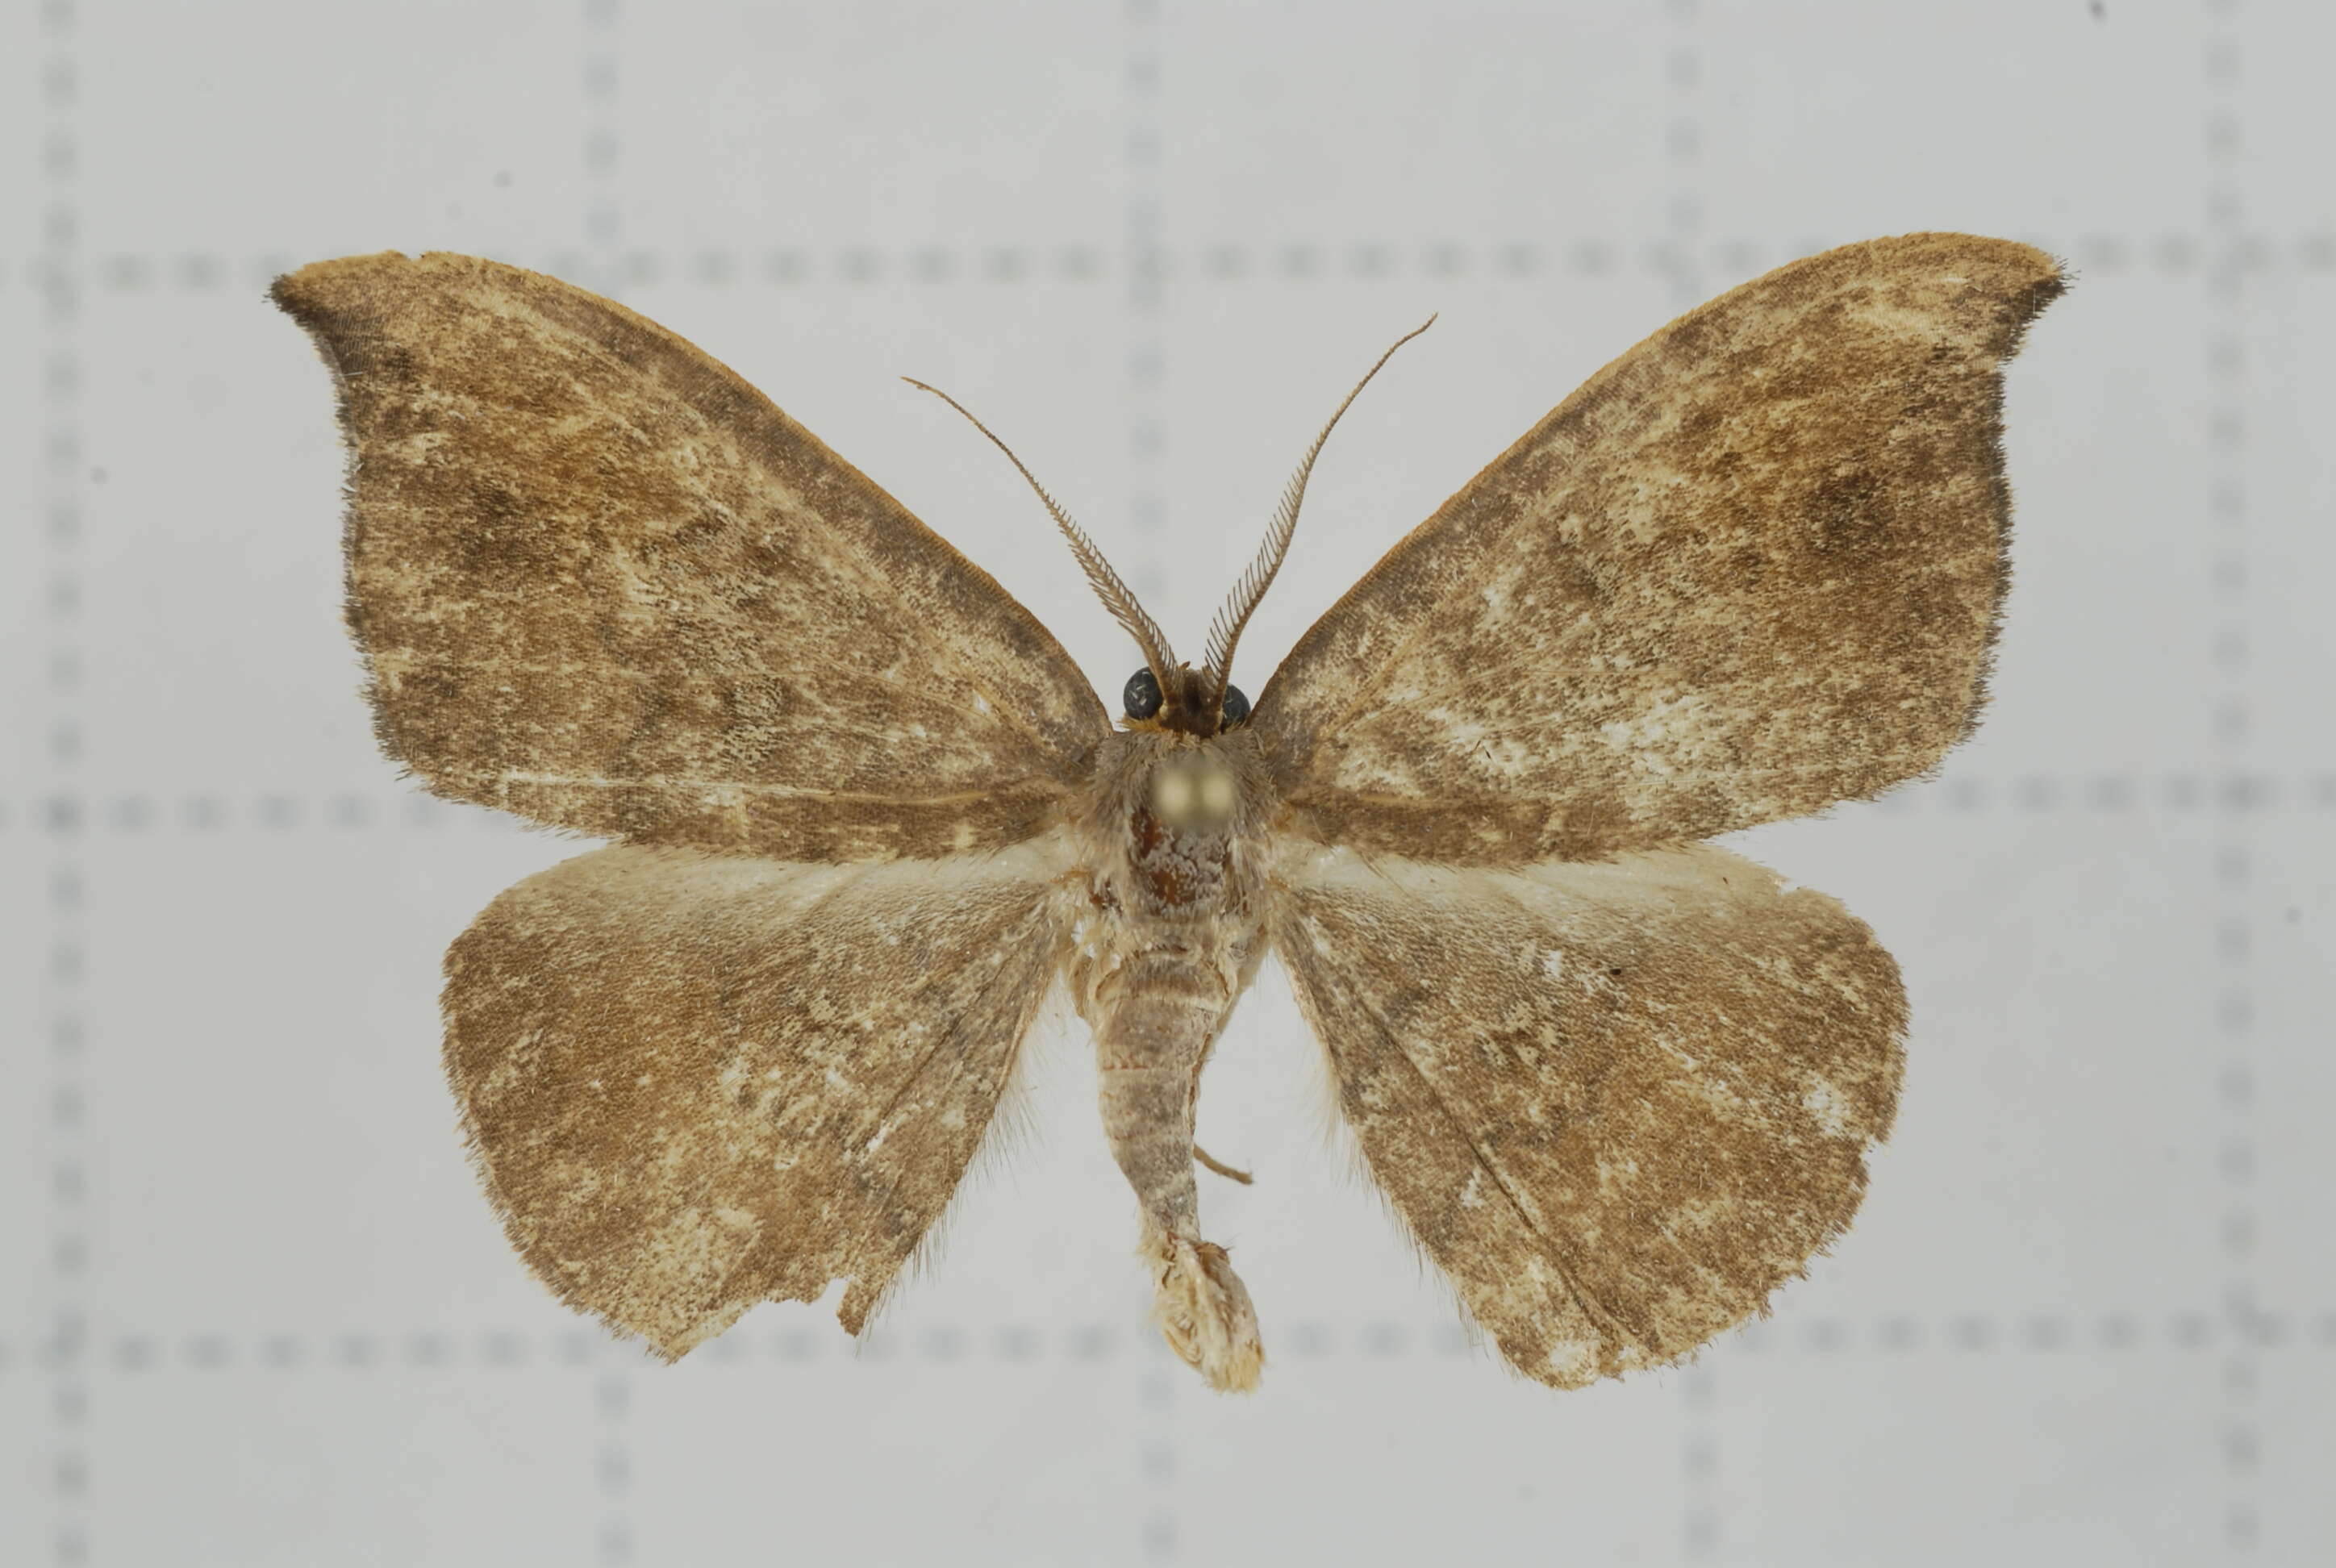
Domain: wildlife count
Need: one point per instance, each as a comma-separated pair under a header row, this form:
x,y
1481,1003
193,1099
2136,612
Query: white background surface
x,y
252,1310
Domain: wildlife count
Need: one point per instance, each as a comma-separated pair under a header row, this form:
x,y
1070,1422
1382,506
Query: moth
x,y
1618,1083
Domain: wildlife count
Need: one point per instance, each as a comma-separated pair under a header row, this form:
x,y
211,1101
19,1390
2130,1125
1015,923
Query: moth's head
x,y
1166,695
1192,702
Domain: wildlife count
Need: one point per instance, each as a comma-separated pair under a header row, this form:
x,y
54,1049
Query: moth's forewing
x,y
694,1083
1618,1105
602,582
1750,568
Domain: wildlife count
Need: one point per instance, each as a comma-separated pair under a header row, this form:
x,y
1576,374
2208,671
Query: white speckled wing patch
x,y
1750,568
693,1083
1618,1105
602,582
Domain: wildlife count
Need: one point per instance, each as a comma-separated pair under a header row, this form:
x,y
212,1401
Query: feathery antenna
x,y
1225,631
1116,596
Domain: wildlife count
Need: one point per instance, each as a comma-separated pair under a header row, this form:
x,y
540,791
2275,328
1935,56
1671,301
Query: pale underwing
x,y
1619,1084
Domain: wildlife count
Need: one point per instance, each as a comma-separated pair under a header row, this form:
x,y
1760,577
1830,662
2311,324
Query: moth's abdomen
x,y
1156,1014
1152,1035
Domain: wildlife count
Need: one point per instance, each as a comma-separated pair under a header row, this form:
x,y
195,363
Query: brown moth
x,y
1619,1084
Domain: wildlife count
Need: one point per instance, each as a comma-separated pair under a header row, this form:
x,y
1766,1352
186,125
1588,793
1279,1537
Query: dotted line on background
x,y
605,270
1683,64
69,815
1149,265
612,1467
2108,795
1976,1333
2178,255
60,282
1699,1461
1683,252
2226,498
604,227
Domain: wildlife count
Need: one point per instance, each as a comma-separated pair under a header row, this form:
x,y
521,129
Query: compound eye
x,y
1141,698
1236,706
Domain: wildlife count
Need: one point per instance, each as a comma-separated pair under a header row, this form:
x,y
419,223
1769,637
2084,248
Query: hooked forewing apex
x,y
600,581
1750,568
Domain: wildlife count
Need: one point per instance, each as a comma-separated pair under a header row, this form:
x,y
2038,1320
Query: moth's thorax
x,y
1174,825
1171,842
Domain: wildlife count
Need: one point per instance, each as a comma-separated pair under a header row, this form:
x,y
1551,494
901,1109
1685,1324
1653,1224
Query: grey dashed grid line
x,y
1699,1458
1679,255
429,1350
66,1353
2233,1012
1682,221
603,229
600,67
2231,795
612,1465
1145,289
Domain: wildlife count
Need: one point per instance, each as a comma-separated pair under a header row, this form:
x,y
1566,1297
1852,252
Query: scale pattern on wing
x,y
600,581
1752,568
1617,1104
693,1083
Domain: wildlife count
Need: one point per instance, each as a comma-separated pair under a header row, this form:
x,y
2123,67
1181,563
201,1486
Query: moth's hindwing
x,y
601,582
1617,1103
693,1083
1750,568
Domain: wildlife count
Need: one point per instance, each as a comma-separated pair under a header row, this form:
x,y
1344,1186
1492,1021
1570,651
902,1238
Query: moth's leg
x,y
1208,1050
1200,1154
1221,1168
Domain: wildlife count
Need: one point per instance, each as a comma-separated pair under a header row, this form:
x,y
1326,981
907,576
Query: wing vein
x,y
953,1034
750,786
1591,1308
